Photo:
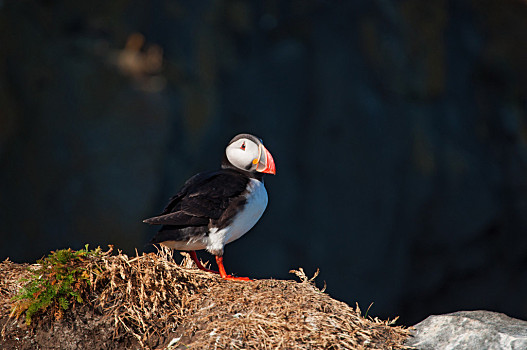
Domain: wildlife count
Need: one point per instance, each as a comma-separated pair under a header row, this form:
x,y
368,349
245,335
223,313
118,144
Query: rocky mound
x,y
96,300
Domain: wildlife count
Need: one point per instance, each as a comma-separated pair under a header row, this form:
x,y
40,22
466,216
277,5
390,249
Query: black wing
x,y
204,197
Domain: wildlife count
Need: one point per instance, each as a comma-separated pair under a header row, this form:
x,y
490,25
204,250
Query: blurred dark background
x,y
399,131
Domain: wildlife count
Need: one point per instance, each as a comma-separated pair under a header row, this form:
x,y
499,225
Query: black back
x,y
209,199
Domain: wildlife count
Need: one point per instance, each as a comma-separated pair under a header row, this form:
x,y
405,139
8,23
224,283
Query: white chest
x,y
252,211
255,205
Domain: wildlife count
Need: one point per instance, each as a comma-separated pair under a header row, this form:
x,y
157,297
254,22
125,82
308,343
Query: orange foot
x,y
198,263
233,278
223,274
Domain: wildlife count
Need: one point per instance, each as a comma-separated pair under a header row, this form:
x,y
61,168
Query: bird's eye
x,y
243,147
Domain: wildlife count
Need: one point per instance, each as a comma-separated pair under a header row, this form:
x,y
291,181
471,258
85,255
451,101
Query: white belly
x,y
197,244
243,221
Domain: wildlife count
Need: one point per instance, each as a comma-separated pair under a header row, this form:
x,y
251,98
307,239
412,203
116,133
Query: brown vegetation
x,y
152,302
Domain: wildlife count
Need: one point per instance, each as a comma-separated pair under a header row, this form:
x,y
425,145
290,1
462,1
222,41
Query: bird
x,y
214,208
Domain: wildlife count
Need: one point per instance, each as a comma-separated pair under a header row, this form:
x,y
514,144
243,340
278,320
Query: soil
x,y
81,328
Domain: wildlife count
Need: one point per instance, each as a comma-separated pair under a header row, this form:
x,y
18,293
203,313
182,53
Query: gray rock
x,y
470,330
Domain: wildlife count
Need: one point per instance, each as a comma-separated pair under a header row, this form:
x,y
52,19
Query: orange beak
x,y
266,163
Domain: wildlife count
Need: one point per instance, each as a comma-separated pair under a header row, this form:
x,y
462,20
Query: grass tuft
x,y
57,282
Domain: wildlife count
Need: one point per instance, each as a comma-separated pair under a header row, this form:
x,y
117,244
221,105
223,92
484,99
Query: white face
x,y
243,154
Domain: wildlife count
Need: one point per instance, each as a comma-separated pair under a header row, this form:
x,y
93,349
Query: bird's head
x,y
247,152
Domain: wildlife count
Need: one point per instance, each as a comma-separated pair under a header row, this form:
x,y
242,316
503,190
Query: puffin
x,y
214,208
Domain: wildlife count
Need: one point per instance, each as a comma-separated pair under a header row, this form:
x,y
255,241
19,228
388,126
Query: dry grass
x,y
147,296
11,274
163,304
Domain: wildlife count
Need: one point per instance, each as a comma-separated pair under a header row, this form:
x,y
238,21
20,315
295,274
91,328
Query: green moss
x,y
58,282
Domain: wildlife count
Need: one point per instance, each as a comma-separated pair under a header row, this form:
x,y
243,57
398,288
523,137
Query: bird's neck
x,y
226,165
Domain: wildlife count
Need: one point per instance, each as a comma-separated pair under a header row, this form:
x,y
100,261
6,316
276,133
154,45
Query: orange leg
x,y
198,263
223,274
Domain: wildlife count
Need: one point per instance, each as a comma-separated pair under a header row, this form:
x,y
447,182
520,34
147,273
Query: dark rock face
x,y
470,330
399,130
